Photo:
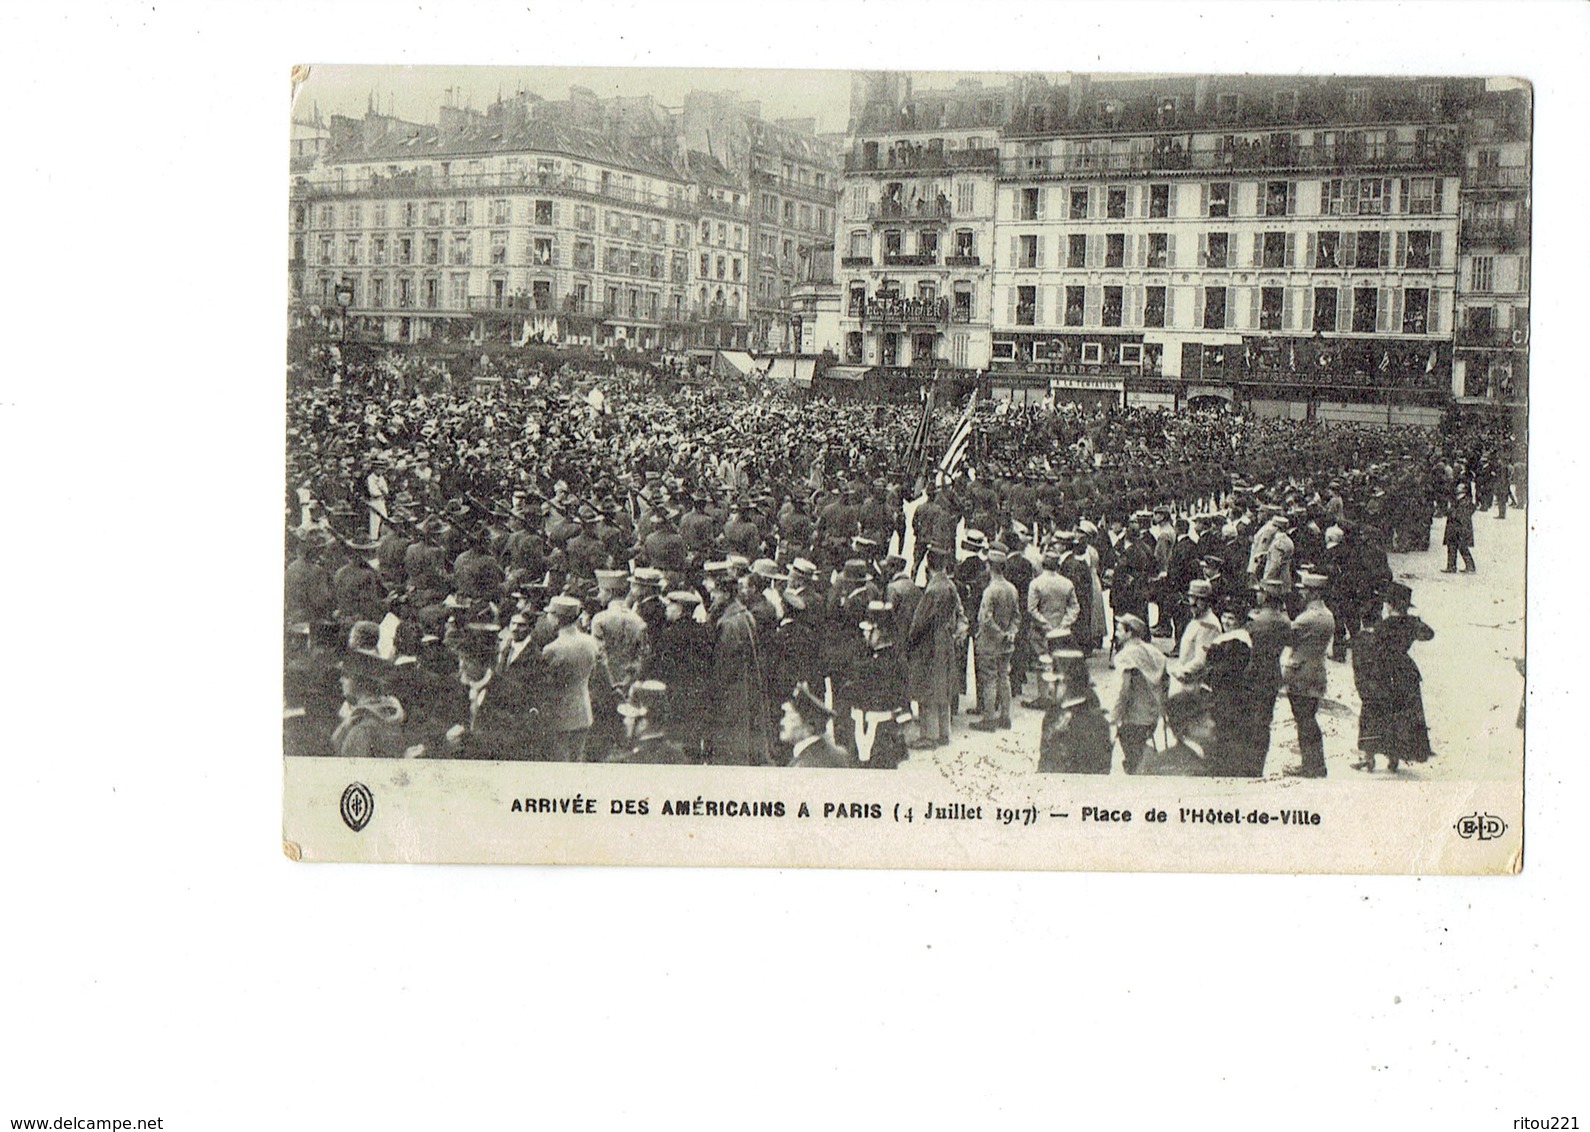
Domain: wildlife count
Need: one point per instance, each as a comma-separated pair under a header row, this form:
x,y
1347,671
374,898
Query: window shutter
x,y
1198,308
1253,308
1311,252
1040,302
1395,324
1291,301
1344,310
1095,251
1258,249
1144,195
1383,311
1324,197
1140,259
1059,306
1096,197
1203,249
1349,249
1042,193
1203,199
1093,300
1435,249
1432,321
1170,205
1013,292
1439,183
1291,249
1385,249
1170,252
1231,310
1170,307
1134,307
1404,198
1039,242
1015,251
1291,198
1402,250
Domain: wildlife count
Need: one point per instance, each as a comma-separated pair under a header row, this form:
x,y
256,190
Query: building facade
x,y
1492,333
575,222
1284,244
914,242
793,180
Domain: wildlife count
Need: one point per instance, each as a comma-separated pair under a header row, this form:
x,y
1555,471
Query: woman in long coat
x,y
1391,721
1459,536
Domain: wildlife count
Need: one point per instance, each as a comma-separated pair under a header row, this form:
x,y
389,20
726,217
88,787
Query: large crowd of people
x,y
564,565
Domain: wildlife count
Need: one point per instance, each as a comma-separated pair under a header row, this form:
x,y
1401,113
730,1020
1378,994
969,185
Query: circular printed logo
x,y
357,806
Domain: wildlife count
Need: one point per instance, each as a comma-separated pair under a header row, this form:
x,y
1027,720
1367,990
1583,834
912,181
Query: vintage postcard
x,y
907,470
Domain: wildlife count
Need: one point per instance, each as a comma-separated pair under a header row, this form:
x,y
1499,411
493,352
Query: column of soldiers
x,y
689,627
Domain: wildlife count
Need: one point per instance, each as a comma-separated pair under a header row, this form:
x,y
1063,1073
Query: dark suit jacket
x,y
823,755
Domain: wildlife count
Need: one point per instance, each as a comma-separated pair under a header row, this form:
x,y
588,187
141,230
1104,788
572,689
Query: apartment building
x,y
570,221
792,175
1492,334
1288,244
915,235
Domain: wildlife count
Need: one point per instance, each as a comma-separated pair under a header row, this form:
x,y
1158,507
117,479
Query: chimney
x,y
1077,95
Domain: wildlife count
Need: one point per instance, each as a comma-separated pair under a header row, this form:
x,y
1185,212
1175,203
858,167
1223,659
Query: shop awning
x,y
846,373
781,369
805,368
741,363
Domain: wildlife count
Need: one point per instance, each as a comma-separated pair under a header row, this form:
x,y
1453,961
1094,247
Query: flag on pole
x,y
960,442
917,453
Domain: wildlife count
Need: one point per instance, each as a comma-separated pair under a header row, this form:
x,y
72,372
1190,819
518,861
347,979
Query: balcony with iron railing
x,y
855,261
415,185
805,189
928,210
1260,156
913,259
927,161
1496,177
962,261
1503,233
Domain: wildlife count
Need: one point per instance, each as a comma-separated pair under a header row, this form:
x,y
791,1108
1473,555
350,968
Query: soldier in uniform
x,y
1303,667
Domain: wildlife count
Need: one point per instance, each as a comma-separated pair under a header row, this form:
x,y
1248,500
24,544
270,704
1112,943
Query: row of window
x,y
1356,310
1415,249
1338,196
959,197
963,243
452,292
541,251
543,214
791,215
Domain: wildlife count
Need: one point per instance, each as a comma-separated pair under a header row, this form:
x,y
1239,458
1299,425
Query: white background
x,y
162,958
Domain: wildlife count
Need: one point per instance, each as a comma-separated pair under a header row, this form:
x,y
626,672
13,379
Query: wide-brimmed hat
x,y
767,568
1200,588
646,698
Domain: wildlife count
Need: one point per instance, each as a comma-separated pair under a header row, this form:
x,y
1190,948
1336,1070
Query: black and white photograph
x,y
1076,448
889,564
